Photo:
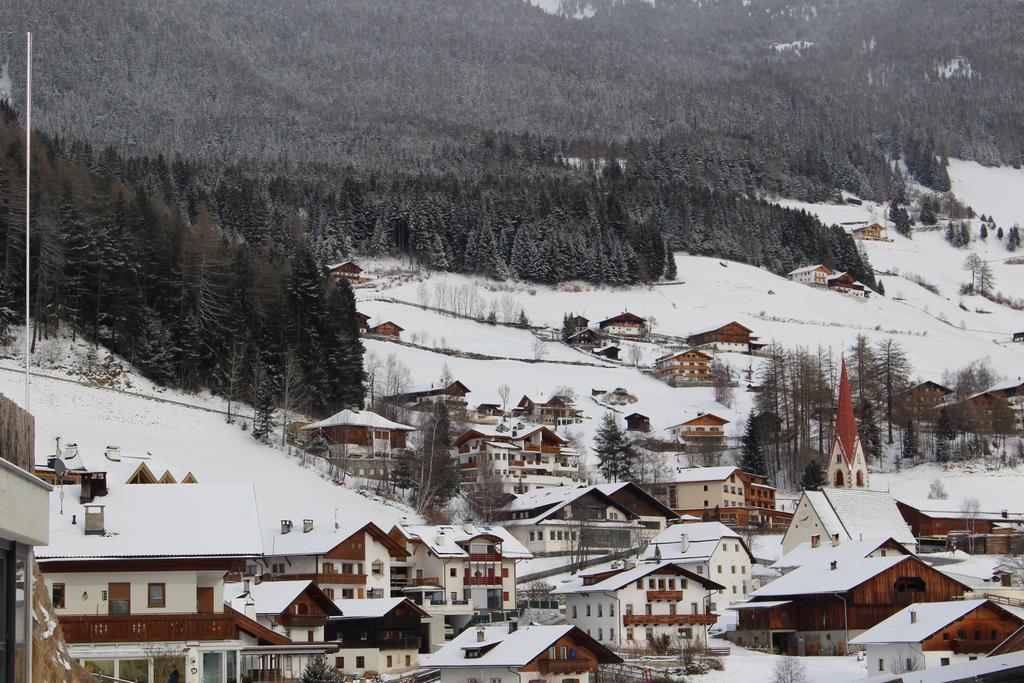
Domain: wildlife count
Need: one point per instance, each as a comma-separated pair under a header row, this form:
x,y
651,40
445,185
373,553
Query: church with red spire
x,y
847,466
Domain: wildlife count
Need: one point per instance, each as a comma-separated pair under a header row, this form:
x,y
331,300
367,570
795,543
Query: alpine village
x,y
511,341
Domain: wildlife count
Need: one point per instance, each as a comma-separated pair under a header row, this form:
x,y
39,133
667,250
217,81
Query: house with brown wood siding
x,y
383,636
362,442
683,367
936,634
624,325
387,329
295,609
706,429
731,336
347,270
818,608
508,654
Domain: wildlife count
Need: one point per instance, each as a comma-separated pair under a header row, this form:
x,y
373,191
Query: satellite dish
x,y
59,468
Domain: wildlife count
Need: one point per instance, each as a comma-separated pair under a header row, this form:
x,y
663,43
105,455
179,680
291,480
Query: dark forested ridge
x,y
176,296
438,128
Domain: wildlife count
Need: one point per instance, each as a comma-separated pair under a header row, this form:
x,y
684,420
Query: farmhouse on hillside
x,y
452,393
624,325
707,429
728,337
844,283
348,270
557,411
683,367
873,232
635,422
362,442
387,329
816,275
726,493
519,457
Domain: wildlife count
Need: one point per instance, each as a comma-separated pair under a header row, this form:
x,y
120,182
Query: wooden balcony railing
x,y
147,628
564,666
667,619
964,647
485,557
299,620
481,580
328,578
426,581
664,595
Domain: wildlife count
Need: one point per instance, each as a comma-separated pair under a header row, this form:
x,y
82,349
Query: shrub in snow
x,y
789,670
937,491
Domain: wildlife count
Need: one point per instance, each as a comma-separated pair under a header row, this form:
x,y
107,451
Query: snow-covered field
x,y
749,665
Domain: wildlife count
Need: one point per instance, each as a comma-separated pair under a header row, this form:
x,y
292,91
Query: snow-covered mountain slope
x,y
186,439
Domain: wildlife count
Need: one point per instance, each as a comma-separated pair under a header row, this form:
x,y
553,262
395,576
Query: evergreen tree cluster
x,y
925,164
189,304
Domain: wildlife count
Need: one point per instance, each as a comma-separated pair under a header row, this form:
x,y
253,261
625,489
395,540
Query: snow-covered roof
x,y
268,597
819,577
857,514
499,648
367,608
198,520
826,552
549,495
953,509
808,269
929,617
321,539
714,328
120,466
443,540
626,577
360,418
687,475
977,571
702,539
504,431
965,671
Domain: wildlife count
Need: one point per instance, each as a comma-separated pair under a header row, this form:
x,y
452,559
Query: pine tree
x,y
910,445
944,428
318,671
8,317
983,232
813,477
751,457
568,326
870,434
264,399
615,454
155,350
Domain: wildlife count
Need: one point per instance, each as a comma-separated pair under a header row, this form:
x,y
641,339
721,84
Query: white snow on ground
x,y
749,665
190,440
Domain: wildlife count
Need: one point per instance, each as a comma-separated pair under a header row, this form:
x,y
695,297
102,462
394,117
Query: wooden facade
x,y
977,632
866,604
686,366
703,429
730,333
363,321
358,435
154,628
635,422
875,231
624,322
584,655
387,329
349,270
400,629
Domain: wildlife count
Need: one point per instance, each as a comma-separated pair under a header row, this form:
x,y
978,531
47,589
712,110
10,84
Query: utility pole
x,y
28,204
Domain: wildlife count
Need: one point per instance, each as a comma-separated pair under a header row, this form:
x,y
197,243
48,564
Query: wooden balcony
x,y
467,465
326,578
426,581
300,620
147,628
972,647
535,448
481,580
667,619
485,557
674,596
564,666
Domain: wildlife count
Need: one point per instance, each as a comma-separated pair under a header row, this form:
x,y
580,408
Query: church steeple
x,y
847,466
846,423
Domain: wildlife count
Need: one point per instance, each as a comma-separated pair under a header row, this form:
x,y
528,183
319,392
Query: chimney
x,y
440,538
1004,514
913,616
815,541
307,526
113,453
246,585
513,625
70,451
480,634
94,520
684,542
833,565
835,540
286,526
629,564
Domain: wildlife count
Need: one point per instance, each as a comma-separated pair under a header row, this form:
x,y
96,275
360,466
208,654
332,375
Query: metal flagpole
x,y
28,203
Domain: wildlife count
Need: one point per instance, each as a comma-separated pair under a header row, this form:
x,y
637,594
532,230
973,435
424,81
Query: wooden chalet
x,y
683,367
705,429
557,410
873,232
454,392
580,323
387,329
361,433
349,270
844,283
585,337
296,609
731,336
816,275
635,422
363,321
987,412
384,635
625,324
918,401
938,518
610,352
817,608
